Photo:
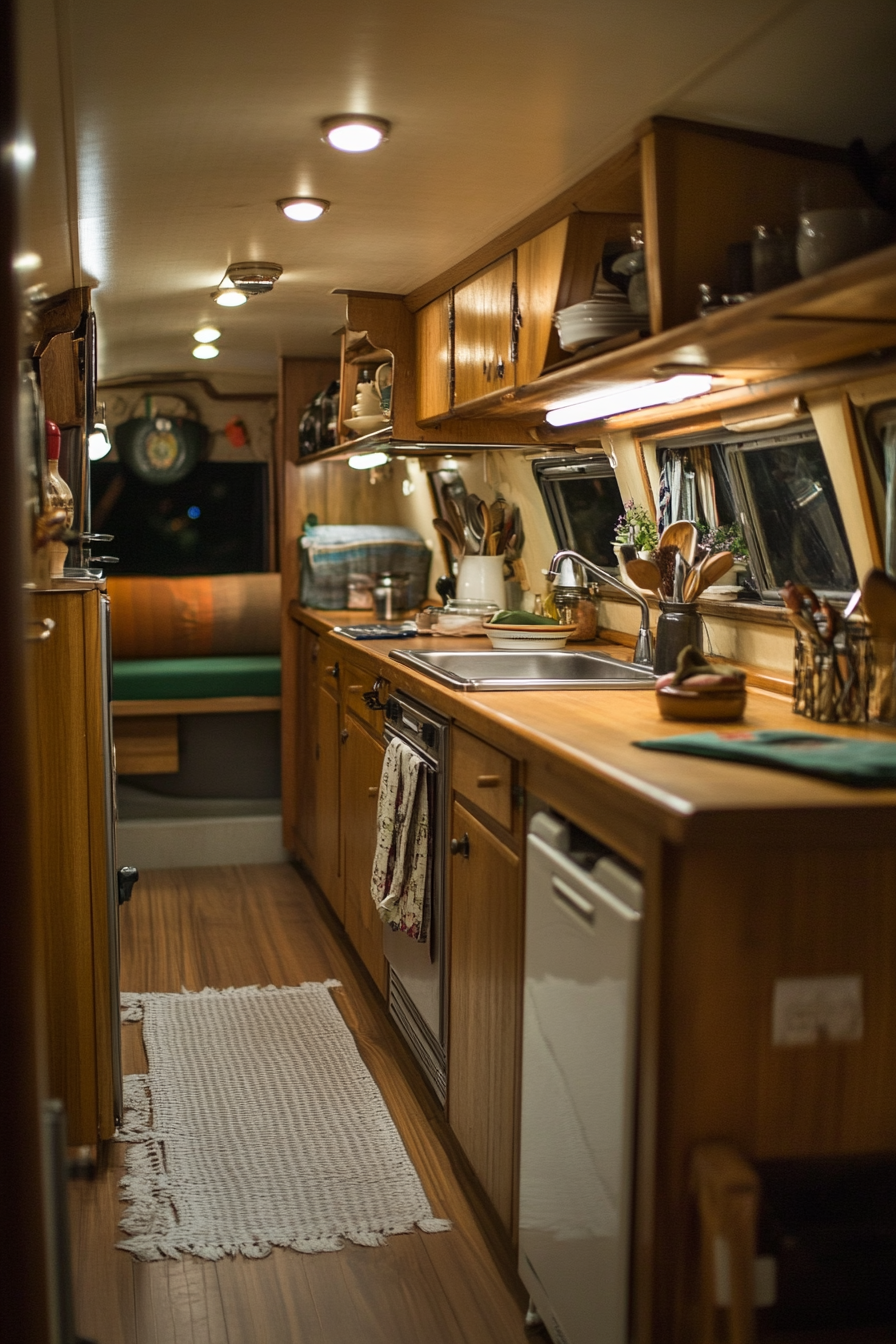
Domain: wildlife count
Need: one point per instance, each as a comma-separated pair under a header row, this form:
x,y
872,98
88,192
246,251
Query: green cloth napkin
x,y
862,764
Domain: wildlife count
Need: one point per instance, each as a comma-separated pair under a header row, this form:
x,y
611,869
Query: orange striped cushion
x,y
195,617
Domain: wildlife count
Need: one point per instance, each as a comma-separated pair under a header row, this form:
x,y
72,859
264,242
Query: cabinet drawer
x,y
330,670
484,775
357,684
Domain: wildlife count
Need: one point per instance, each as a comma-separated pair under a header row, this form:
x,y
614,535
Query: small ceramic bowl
x,y
529,636
706,705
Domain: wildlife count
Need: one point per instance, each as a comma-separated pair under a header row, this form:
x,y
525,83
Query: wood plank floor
x,y
262,925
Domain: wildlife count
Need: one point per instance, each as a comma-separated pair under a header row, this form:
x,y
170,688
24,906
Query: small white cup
x,y
481,579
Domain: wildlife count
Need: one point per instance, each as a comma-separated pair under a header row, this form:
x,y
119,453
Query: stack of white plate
x,y
606,314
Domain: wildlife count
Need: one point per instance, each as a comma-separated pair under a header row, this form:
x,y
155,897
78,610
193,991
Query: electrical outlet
x,y
817,1008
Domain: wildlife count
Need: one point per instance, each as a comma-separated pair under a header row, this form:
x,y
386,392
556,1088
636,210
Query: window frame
x,y
550,472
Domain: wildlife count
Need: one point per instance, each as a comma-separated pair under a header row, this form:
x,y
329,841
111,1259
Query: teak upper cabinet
x,y
484,347
434,358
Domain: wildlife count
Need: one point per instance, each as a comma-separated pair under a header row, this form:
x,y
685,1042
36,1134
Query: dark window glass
x,y
793,515
211,522
583,503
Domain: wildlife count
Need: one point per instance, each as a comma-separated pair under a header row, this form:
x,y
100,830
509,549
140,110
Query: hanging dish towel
x,y
399,884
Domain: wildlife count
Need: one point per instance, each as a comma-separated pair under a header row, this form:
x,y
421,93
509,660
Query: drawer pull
x,y
461,847
333,671
355,690
372,790
488,781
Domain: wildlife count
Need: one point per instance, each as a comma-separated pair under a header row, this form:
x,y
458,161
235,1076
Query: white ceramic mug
x,y
481,579
367,400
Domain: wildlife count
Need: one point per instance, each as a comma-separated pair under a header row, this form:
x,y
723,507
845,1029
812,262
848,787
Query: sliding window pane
x,y
794,514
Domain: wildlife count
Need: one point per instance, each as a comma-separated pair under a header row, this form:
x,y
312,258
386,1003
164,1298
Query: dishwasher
x,y
583,918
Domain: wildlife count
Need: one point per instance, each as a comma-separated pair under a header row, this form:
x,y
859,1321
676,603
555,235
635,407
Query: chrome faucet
x,y
644,646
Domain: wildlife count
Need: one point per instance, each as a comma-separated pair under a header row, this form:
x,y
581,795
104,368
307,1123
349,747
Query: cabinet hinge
x,y
519,795
516,321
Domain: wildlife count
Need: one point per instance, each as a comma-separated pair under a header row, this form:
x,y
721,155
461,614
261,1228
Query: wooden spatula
x,y
644,574
710,569
685,536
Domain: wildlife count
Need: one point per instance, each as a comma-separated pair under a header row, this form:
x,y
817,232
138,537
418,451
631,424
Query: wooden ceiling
x,y
165,133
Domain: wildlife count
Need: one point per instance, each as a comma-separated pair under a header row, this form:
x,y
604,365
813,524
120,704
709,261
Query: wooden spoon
x,y
445,530
644,574
485,519
710,569
456,520
685,536
879,601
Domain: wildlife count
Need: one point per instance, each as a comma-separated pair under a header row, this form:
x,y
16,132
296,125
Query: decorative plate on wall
x,y
161,449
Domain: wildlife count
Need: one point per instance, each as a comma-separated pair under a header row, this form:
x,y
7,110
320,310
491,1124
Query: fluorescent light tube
x,y
632,397
364,461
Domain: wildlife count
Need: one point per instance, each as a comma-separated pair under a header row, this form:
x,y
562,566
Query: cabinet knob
x,y
333,671
461,847
343,736
372,790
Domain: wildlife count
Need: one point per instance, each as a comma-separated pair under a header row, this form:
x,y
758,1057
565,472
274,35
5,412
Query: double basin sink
x,y
511,670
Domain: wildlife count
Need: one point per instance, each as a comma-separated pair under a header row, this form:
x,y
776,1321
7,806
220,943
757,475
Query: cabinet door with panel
x,y
483,332
485,982
327,866
434,358
306,744
360,768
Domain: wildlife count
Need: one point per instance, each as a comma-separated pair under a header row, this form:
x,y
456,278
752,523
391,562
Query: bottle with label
x,y
59,496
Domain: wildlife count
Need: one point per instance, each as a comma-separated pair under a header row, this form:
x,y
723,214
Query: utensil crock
x,y
678,626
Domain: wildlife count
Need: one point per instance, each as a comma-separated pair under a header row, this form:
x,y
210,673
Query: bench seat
x,y
196,678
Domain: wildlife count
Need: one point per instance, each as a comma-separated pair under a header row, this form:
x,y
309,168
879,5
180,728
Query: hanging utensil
x,y
644,574
685,536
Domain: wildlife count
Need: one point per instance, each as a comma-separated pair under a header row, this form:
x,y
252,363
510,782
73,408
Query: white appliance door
x,y
579,1026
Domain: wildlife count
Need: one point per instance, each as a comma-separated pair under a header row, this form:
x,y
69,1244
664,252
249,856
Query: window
x,y
790,513
776,488
880,435
583,503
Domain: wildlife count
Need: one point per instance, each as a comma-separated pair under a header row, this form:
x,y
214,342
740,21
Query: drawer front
x,y
484,775
356,685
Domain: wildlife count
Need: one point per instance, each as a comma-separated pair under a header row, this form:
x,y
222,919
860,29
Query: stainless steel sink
x,y
549,670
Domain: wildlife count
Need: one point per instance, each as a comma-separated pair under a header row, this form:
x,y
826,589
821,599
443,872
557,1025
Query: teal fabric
x,y
843,760
195,678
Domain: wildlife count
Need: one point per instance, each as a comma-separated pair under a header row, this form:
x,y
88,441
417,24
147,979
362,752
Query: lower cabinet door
x,y
327,865
362,764
484,1041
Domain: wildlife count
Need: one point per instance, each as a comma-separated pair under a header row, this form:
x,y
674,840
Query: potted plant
x,y
636,527
727,537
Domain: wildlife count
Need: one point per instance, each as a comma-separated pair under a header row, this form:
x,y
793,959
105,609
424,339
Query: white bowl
x,y
528,636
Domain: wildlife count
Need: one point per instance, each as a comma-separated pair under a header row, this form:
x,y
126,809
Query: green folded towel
x,y
521,618
843,760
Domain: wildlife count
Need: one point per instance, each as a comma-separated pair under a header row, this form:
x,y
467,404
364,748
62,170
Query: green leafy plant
x,y
636,528
725,537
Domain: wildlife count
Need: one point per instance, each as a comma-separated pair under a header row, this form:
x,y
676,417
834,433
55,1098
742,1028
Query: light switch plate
x,y
817,1008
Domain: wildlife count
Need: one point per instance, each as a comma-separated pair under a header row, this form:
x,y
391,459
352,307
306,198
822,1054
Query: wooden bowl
x,y
707,705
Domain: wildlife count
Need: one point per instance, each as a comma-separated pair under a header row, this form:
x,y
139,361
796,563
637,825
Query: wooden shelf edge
x,y
218,704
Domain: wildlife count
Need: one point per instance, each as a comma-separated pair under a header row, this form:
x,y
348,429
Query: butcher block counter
x,y
752,877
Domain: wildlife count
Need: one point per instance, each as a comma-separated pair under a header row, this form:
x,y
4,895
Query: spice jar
x,y
575,606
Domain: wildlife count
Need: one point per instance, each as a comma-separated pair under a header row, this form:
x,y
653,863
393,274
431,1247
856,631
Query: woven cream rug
x,y
258,1125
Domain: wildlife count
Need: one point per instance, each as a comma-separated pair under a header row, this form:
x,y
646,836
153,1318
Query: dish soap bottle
x,y
59,496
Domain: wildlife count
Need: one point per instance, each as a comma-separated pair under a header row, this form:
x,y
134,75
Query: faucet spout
x,y
644,646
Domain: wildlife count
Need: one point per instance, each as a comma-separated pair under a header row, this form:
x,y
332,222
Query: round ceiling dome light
x,y
230,298
206,334
303,208
206,352
353,134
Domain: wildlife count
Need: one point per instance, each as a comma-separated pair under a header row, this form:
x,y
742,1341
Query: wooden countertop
x,y
578,749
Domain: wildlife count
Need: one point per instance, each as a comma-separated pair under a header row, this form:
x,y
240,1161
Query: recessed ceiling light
x,y
303,208
355,135
206,352
206,334
230,298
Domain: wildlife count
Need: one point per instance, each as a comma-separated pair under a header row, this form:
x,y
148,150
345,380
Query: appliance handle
x,y
573,901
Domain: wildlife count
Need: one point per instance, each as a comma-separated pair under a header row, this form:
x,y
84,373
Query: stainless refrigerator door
x,y
579,1024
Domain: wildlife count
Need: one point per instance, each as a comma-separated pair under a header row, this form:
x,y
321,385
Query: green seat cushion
x,y
195,678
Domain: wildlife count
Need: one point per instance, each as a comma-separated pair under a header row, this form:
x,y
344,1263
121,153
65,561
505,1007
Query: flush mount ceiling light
x,y
303,208
631,397
229,297
206,334
366,461
206,352
354,134
253,277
